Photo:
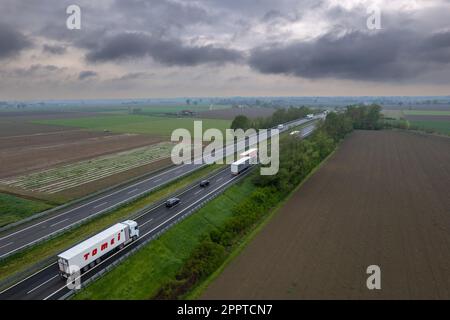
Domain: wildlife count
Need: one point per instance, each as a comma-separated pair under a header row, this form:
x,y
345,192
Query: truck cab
x,y
133,229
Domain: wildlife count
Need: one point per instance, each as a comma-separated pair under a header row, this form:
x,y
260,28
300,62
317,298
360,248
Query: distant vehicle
x,y
240,165
309,116
204,183
90,252
294,132
280,127
253,152
172,202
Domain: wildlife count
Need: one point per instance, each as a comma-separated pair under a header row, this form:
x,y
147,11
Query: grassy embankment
x,y
141,276
228,217
13,209
27,258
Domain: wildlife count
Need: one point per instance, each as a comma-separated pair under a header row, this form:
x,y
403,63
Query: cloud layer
x,y
273,47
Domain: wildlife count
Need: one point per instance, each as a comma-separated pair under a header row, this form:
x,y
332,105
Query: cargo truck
x,y
90,252
240,165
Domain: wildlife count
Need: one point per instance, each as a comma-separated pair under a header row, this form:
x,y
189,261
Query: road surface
x,y
40,229
47,284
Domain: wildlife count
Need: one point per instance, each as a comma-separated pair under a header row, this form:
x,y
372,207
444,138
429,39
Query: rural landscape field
x,y
383,201
224,155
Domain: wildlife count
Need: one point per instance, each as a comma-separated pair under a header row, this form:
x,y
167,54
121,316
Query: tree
x,y
241,122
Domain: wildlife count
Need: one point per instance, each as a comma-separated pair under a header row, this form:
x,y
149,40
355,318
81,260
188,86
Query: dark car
x,y
204,183
172,202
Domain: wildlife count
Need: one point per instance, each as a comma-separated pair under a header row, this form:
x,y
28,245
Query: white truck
x,y
252,152
309,116
240,165
280,127
88,253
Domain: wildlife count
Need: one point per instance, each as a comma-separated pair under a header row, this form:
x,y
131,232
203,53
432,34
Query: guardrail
x,y
151,238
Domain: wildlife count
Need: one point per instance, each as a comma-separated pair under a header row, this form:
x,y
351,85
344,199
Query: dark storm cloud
x,y
86,74
393,55
11,41
169,52
54,49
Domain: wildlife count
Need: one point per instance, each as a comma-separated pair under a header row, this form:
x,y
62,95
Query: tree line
x,y
298,157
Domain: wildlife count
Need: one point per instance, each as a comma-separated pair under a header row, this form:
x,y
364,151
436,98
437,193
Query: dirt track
x,y
382,199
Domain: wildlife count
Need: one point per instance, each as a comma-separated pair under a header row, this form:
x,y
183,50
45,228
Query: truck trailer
x,y
90,252
240,165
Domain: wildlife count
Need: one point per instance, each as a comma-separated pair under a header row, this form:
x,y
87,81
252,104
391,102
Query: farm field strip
x,y
381,199
72,175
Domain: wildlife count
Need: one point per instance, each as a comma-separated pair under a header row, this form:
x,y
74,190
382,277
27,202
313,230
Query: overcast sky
x,y
174,48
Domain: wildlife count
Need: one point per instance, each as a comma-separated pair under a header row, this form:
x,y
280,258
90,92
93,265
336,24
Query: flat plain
x,y
381,199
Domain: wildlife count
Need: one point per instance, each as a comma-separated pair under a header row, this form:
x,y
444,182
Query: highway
x,y
47,284
38,230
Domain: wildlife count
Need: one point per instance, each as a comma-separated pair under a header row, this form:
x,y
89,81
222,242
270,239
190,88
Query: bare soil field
x,y
381,199
23,154
231,113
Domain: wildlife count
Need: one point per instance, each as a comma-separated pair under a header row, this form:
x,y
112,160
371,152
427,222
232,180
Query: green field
x,y
141,275
437,126
162,110
426,112
395,114
157,126
13,209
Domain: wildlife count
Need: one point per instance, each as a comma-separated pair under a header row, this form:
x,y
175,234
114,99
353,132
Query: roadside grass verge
x,y
173,265
141,276
242,243
13,209
25,259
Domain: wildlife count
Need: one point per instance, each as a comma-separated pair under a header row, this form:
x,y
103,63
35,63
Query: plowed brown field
x,y
383,199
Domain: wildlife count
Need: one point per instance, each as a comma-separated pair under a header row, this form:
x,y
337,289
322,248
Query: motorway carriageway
x,y
46,284
38,230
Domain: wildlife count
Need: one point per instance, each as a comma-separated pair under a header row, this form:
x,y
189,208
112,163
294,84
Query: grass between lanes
x,y
142,274
27,258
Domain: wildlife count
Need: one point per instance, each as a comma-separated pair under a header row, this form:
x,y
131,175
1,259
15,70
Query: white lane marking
x,y
16,284
93,201
198,191
5,245
47,281
68,226
134,190
178,195
59,222
143,224
142,236
220,179
100,205
227,152
157,180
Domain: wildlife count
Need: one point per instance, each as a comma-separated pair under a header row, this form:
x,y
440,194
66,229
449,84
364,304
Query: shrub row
x,y
297,159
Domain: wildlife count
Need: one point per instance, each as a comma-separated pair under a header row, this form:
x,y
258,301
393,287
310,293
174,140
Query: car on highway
x,y
204,183
172,202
